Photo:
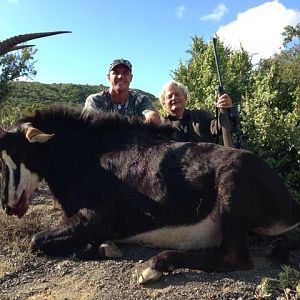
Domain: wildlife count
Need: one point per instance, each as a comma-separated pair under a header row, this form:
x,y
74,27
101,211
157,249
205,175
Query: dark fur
x,y
144,182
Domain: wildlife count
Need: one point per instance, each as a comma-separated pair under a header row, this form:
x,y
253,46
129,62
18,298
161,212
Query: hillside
x,y
27,96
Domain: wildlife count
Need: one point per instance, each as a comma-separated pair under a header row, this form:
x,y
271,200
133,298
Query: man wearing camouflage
x,y
120,98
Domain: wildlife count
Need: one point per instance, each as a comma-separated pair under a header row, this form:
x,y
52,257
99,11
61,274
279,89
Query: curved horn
x,y
20,47
11,43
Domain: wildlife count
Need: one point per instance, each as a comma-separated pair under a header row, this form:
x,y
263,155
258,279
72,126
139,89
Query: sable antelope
x,y
118,179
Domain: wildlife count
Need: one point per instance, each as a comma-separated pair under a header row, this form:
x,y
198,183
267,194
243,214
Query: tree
x,y
18,63
200,76
271,113
290,33
14,65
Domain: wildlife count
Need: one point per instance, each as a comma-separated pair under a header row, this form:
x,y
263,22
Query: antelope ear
x,y
35,135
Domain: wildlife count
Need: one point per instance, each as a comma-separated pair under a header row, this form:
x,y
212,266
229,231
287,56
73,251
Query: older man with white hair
x,y
191,125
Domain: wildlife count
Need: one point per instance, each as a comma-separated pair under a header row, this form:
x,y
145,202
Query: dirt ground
x,y
24,276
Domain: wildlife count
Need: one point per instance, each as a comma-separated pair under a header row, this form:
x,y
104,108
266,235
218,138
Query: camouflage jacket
x,y
136,104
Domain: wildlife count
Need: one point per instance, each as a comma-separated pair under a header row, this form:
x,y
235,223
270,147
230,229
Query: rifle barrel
x,y
227,138
217,63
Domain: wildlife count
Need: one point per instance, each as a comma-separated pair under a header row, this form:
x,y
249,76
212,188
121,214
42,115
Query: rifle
x,y
235,127
231,117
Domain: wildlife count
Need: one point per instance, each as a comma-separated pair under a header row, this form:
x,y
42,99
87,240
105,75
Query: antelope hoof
x,y
110,250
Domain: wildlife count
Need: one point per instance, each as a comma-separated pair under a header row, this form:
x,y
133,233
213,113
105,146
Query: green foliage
x,y
199,73
265,289
291,32
271,117
14,65
4,90
289,278
268,98
24,97
17,63
286,287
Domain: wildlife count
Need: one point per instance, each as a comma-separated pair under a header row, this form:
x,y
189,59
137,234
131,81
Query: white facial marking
x,y
8,160
28,180
11,167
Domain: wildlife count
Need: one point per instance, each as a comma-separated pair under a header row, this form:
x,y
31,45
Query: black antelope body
x,y
120,180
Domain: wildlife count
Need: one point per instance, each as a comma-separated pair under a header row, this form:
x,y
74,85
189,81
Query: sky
x,y
154,35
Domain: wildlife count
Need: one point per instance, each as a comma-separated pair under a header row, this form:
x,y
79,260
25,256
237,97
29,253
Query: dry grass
x,y
16,234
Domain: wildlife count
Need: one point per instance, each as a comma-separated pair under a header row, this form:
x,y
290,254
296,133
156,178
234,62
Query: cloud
x,y
180,11
259,29
217,14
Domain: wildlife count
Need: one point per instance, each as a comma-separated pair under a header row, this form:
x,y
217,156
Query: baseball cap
x,y
120,61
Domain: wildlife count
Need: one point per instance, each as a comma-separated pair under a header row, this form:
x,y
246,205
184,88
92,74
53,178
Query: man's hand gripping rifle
x,y
230,117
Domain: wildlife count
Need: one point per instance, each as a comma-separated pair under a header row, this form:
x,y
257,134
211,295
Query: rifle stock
x,y
225,122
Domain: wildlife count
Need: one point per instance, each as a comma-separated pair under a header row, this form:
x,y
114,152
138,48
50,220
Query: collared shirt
x,y
136,104
194,126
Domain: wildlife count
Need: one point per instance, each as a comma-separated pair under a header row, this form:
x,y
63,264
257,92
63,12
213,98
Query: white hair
x,y
166,86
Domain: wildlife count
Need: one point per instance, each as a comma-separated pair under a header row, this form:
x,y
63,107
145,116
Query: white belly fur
x,y
205,234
